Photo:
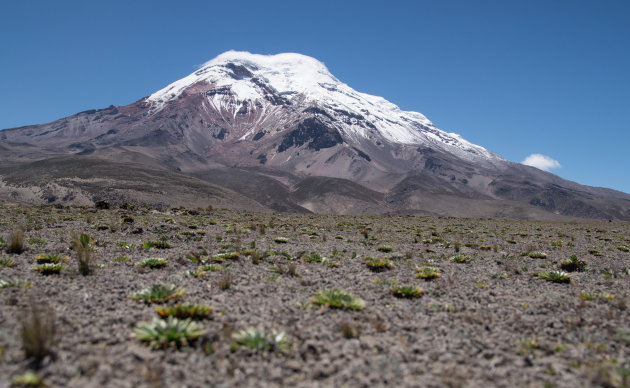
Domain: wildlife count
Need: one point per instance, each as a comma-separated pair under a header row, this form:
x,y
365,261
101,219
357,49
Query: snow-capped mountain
x,y
283,131
235,83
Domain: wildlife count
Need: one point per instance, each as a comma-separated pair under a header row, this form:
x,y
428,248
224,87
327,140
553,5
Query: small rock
x,y
102,204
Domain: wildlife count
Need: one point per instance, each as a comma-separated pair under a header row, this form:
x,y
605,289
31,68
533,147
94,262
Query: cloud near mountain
x,y
542,162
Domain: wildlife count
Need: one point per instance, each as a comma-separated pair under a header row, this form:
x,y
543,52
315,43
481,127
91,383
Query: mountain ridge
x,y
279,120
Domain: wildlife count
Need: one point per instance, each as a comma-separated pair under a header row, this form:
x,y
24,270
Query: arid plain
x,y
502,303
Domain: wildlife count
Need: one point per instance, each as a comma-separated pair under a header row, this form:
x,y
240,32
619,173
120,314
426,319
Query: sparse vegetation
x,y
460,259
536,255
169,332
312,258
256,257
573,264
37,242
193,273
378,265
406,291
28,379
384,248
157,245
183,311
38,331
428,272
15,283
159,293
154,262
44,258
82,245
262,341
349,330
554,276
291,270
49,268
225,281
6,262
16,241
596,296
210,268
221,257
576,329
337,298
386,282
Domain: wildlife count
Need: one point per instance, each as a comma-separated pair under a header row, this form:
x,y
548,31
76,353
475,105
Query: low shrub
x,y
378,265
262,341
192,273
7,262
159,293
155,262
573,264
49,268
44,258
169,332
183,311
312,258
28,379
210,267
37,242
337,298
221,257
156,244
596,296
15,283
406,291
536,255
554,276
428,272
384,248
460,258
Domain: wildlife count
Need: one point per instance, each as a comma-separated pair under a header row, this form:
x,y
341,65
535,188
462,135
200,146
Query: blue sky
x,y
517,77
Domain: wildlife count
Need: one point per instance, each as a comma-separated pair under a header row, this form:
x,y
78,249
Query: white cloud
x,y
542,162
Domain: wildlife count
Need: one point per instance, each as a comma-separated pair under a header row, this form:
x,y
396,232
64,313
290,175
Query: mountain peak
x,y
289,62
287,73
238,81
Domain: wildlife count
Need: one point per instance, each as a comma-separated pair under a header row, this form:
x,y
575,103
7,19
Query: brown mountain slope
x,y
82,180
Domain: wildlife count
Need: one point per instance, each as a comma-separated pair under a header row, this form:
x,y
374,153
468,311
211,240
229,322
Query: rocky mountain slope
x,y
284,132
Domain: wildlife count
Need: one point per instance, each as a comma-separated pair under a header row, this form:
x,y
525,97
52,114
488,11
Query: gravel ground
x,y
486,321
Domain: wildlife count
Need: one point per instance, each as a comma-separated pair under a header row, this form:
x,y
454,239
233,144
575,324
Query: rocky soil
x,y
490,319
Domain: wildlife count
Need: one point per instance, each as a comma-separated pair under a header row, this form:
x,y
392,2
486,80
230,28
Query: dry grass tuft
x,y
225,281
81,245
39,332
16,241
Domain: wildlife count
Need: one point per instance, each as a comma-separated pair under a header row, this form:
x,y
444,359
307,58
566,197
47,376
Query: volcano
x,y
280,132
